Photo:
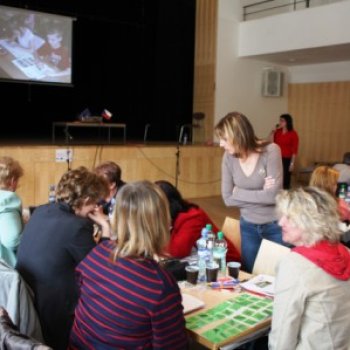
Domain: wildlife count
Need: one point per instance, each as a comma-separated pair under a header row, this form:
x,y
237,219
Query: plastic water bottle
x,y
219,252
342,191
347,198
52,194
210,242
202,252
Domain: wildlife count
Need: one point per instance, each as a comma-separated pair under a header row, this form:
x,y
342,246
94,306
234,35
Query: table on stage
x,y
223,323
68,125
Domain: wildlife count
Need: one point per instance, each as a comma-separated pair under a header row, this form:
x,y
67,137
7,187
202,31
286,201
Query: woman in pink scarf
x,y
312,296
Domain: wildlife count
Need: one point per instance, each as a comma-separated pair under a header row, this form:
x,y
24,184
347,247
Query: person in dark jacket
x,y
56,238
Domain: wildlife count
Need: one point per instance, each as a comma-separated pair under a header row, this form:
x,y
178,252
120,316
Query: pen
x,y
223,284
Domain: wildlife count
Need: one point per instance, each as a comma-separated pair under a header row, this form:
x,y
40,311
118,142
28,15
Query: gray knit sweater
x,y
246,192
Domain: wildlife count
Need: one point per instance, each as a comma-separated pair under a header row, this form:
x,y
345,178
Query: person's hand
x,y
98,216
25,215
272,135
291,166
102,220
269,182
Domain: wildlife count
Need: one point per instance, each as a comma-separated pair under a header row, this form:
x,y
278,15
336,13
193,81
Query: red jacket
x,y
187,230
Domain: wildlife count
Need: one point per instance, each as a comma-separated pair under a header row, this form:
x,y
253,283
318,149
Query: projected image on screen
x,y
35,46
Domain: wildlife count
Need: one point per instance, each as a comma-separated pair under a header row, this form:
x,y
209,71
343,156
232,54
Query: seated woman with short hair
x,y
326,179
56,238
312,299
127,300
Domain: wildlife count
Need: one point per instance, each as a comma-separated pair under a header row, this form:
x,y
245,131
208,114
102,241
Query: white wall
x,y
318,73
238,80
313,27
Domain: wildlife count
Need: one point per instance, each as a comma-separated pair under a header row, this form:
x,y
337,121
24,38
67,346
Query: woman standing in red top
x,y
286,137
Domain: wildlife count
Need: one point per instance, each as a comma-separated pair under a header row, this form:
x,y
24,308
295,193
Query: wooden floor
x,y
216,209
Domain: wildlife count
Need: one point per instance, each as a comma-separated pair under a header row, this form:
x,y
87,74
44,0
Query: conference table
x,y
229,318
67,125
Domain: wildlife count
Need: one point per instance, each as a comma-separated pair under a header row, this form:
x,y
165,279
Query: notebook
x,y
261,284
191,303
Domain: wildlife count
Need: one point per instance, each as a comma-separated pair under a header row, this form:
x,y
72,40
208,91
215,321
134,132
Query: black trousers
x,y
286,173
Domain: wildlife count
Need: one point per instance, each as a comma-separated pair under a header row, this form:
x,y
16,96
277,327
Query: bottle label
x,y
52,193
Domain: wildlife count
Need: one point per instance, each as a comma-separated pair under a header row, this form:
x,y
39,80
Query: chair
x,y
16,298
232,232
346,158
198,122
12,339
268,257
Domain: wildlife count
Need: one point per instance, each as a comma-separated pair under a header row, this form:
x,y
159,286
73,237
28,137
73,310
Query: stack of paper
x,y
261,284
191,303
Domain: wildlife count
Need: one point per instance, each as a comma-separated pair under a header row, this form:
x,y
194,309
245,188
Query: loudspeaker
x,y
272,83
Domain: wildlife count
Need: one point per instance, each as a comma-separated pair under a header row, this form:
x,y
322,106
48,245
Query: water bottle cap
x,y
220,235
209,226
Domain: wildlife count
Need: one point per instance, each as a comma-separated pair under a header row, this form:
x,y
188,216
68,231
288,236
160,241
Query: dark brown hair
x,y
80,184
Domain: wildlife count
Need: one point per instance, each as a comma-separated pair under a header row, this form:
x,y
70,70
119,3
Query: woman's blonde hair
x,y
78,185
312,210
325,178
236,129
141,221
10,169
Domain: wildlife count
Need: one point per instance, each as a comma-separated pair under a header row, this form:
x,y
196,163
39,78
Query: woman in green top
x,y
10,209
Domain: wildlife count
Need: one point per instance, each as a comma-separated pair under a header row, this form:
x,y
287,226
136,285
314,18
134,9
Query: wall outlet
x,y
64,155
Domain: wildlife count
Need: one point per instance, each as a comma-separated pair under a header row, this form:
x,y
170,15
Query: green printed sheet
x,y
237,315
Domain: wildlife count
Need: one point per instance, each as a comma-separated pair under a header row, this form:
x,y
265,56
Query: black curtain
x,y
133,57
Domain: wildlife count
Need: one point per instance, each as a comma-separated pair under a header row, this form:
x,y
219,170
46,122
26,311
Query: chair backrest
x,y
268,257
12,338
346,158
16,297
199,127
232,232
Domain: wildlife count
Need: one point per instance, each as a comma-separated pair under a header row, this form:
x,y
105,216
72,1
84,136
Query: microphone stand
x,y
179,141
67,135
177,154
145,135
68,160
177,168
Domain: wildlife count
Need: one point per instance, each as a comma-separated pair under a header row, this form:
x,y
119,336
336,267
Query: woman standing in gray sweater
x,y
251,177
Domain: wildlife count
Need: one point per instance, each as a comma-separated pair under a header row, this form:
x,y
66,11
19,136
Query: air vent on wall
x,y
272,82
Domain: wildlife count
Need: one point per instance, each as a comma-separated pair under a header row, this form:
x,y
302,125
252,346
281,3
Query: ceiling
x,y
326,54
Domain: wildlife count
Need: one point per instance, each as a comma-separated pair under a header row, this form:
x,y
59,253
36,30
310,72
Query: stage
x,y
196,168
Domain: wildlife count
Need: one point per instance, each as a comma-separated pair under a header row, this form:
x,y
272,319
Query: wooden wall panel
x,y
204,66
322,119
200,167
